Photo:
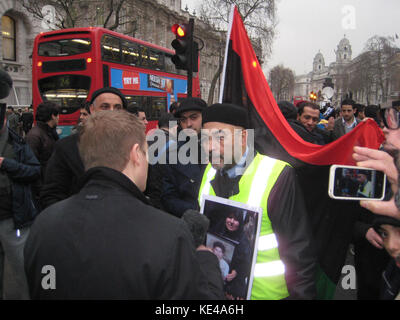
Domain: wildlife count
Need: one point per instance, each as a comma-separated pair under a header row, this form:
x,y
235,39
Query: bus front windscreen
x,y
64,47
69,92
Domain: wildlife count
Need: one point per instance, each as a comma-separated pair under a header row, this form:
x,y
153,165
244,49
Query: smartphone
x,y
356,183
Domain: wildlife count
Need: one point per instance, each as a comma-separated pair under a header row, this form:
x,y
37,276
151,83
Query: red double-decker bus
x,y
70,64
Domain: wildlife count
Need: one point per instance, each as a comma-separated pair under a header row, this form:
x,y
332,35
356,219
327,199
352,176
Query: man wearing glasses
x,y
388,162
182,178
391,130
371,260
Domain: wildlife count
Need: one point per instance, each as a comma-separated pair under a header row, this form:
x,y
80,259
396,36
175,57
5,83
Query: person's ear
x,y
91,108
134,155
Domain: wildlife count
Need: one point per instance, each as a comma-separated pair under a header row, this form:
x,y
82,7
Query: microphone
x,y
5,87
198,225
5,84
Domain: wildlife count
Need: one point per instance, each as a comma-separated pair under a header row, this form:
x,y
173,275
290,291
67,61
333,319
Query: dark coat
x,y
64,169
106,242
27,121
41,139
391,282
156,171
338,128
23,172
317,136
181,184
13,120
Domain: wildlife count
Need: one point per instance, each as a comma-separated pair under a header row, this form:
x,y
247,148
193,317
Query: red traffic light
x,y
179,30
313,96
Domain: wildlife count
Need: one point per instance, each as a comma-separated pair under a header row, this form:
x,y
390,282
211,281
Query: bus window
x,y
156,60
130,53
64,47
134,101
144,57
169,65
158,107
110,49
67,91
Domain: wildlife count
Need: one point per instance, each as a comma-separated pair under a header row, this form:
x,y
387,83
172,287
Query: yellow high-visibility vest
x,y
254,188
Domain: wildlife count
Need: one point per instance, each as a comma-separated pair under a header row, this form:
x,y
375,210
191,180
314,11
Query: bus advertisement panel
x,y
146,82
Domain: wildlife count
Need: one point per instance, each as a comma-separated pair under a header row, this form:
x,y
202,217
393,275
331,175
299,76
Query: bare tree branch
x,y
281,82
117,15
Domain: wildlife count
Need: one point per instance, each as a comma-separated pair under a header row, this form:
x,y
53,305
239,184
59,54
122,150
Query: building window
x,y
8,33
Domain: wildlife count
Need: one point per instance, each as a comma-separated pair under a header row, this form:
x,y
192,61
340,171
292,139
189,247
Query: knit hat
x,y
226,113
109,90
288,110
380,220
190,104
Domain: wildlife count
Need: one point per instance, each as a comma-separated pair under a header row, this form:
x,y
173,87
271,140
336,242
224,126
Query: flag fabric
x,y
332,221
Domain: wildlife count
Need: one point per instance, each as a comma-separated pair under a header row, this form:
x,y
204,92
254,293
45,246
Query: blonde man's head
x,y
107,138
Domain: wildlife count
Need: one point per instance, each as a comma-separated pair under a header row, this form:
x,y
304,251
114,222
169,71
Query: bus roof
x,y
73,31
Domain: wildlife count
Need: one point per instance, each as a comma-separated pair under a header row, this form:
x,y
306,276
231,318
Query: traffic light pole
x,y
190,62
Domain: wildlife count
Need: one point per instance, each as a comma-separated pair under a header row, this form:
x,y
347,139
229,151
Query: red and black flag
x,y
332,221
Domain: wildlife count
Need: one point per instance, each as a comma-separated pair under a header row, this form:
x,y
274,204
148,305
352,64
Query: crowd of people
x,y
20,121
106,205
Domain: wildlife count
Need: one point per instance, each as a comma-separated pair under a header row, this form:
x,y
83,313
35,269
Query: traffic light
x,y
313,96
181,45
186,50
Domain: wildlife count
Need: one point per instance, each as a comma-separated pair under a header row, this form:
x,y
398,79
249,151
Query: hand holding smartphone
x,y
356,183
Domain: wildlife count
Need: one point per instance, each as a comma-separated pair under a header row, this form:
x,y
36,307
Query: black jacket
x,y
181,184
23,172
64,169
317,136
27,121
106,243
391,281
157,165
41,139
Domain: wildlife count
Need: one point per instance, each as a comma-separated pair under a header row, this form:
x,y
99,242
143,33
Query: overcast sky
x,y
307,26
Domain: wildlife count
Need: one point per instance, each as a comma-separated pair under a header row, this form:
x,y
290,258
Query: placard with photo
x,y
233,236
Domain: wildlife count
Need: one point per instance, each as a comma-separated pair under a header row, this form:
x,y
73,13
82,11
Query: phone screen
x,y
358,183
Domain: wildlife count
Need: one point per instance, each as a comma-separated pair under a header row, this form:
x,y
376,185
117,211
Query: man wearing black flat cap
x,y
65,166
286,259
182,180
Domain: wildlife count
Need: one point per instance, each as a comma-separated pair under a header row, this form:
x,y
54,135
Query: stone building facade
x,y
18,30
314,80
343,73
147,20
